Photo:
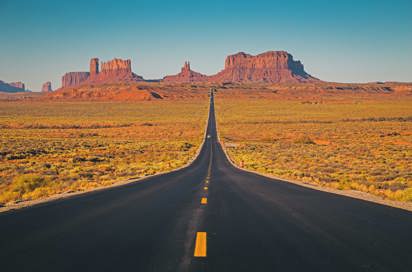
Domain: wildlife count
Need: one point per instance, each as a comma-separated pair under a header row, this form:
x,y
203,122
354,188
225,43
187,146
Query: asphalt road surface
x,y
208,216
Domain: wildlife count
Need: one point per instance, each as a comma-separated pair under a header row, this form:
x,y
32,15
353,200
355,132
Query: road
x,y
208,216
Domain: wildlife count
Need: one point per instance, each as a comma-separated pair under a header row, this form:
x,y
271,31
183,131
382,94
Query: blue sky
x,y
344,41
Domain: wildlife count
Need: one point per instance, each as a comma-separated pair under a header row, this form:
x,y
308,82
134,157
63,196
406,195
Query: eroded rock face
x,y
113,71
186,75
9,88
74,79
117,66
18,84
117,70
94,68
46,87
271,66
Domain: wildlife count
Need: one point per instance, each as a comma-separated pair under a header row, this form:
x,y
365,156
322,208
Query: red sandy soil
x,y
143,91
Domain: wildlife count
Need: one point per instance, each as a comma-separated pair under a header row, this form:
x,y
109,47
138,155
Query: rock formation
x,y
12,87
94,68
18,84
117,66
74,78
186,75
46,87
116,70
271,66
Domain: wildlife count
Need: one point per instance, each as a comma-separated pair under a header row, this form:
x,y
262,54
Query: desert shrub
x,y
186,146
27,183
9,196
82,145
95,159
304,140
15,156
363,146
23,187
78,159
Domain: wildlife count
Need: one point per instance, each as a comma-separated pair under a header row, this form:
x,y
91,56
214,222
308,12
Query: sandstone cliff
x,y
18,84
186,75
74,79
46,87
117,70
117,66
113,71
94,68
271,66
11,87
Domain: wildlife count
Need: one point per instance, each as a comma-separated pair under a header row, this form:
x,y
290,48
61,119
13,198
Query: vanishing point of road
x,y
209,216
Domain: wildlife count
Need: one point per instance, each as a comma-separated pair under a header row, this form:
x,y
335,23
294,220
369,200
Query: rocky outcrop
x,y
271,66
94,68
46,87
117,66
116,70
11,87
72,79
18,84
186,75
113,71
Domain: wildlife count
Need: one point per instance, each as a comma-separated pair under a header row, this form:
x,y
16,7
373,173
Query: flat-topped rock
x,y
271,66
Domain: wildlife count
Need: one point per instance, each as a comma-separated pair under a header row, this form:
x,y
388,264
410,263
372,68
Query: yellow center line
x,y
206,188
200,244
207,181
203,200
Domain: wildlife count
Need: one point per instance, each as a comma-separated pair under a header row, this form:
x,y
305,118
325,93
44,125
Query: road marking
x,y
207,181
203,200
206,188
200,246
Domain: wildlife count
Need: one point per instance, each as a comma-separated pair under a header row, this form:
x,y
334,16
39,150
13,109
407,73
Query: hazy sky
x,y
345,41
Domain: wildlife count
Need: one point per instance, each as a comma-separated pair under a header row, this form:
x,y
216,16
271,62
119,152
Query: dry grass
x,y
53,147
360,144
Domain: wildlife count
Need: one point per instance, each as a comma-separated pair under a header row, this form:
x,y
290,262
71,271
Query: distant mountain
x,y
13,87
271,66
186,75
46,87
113,71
